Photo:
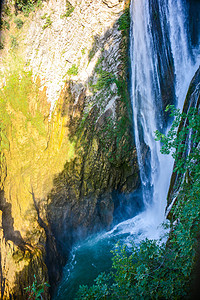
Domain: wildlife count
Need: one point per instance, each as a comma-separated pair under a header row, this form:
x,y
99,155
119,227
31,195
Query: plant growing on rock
x,y
47,23
69,10
73,70
4,24
19,23
152,270
124,21
26,6
1,45
36,290
14,42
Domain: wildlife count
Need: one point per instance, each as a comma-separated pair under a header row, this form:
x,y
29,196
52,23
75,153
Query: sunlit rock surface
x,y
65,134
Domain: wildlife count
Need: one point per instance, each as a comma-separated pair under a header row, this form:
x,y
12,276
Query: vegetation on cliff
x,y
27,5
65,145
155,270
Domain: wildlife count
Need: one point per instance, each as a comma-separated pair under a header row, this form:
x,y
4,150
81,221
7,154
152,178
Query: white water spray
x,y
155,168
184,65
146,91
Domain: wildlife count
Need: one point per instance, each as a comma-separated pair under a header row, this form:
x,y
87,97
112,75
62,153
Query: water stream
x,y
163,61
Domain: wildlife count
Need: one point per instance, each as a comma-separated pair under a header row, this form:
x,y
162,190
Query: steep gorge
x,y
68,159
66,135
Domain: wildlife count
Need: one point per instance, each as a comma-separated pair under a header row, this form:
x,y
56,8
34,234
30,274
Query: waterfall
x,y
163,63
159,47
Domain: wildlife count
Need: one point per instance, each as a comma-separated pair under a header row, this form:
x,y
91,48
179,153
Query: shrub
x,y
153,270
7,10
26,6
1,45
73,70
14,42
124,21
35,291
6,25
19,23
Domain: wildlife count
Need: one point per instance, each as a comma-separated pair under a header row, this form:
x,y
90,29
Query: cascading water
x,y
163,62
147,103
159,48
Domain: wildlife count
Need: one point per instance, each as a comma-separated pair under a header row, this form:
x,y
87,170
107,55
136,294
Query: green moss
x,y
38,122
69,10
73,70
17,90
15,99
94,49
91,54
47,23
44,16
83,51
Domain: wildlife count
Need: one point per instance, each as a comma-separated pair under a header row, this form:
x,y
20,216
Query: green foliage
x,y
98,291
4,24
44,16
36,290
114,136
13,42
19,23
124,21
175,143
94,49
7,10
91,53
83,51
105,79
1,45
155,270
69,10
73,70
47,23
26,6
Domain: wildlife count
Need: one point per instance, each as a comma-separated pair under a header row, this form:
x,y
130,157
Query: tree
x,y
154,270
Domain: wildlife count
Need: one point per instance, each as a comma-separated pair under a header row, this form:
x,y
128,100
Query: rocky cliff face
x,y
192,101
65,133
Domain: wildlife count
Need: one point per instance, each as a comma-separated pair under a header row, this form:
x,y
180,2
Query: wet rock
x,y
192,100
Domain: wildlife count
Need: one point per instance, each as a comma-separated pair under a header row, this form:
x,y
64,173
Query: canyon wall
x,y
192,100
66,137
